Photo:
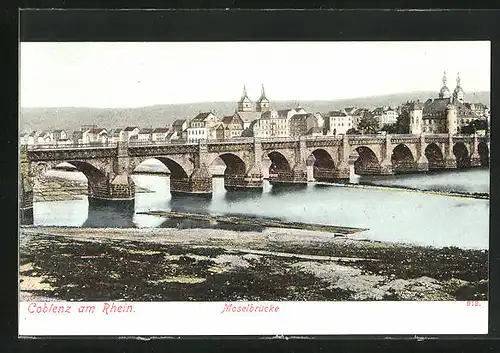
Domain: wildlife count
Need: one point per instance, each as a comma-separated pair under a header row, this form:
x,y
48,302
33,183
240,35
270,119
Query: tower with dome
x,y
447,113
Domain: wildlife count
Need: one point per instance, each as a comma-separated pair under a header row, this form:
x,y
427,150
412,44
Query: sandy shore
x,y
164,264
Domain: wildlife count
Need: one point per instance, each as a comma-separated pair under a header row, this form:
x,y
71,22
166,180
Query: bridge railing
x,y
70,146
160,143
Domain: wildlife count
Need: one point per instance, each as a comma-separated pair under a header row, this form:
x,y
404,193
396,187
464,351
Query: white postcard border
x,y
230,318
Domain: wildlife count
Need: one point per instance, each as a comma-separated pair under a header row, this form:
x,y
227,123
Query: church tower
x,y
458,93
416,110
262,105
444,92
451,119
244,104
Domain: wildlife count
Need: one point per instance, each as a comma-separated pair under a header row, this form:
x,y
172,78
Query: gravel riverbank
x,y
164,264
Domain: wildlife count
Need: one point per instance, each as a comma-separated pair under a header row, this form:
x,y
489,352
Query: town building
x,y
446,114
267,125
480,110
320,119
57,135
233,126
130,133
219,132
248,118
337,122
115,135
44,138
23,138
315,131
203,127
64,142
385,115
31,138
96,135
300,124
160,134
145,134
179,130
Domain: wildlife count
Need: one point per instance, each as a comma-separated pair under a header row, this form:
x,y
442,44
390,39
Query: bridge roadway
x,y
283,160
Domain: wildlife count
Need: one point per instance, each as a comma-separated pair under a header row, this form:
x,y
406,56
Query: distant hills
x,y
71,118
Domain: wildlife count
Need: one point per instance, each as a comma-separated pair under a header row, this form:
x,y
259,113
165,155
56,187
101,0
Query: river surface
x,y
390,215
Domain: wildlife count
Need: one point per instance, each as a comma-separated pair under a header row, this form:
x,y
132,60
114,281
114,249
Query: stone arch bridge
x,y
249,160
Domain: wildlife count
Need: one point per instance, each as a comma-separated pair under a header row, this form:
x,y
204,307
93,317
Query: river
x,y
390,215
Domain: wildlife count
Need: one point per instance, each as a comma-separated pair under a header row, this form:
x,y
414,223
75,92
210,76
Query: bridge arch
x,y
279,163
484,154
462,155
98,181
93,173
434,156
367,163
402,159
179,169
323,165
234,164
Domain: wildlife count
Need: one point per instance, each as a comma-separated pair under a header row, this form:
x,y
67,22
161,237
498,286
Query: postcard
x,y
254,188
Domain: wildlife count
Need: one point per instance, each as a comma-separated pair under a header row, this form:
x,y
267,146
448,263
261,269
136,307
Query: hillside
x,y
71,118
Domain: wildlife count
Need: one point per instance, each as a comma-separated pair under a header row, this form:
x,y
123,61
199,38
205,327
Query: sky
x,y
135,74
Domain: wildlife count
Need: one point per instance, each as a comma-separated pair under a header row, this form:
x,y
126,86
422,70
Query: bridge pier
x,y
117,193
25,189
25,201
243,182
475,158
450,161
252,178
421,164
199,183
298,174
386,164
342,171
385,167
295,177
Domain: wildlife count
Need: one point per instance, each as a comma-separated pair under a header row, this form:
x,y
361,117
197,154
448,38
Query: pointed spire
x,y
458,79
244,92
262,92
444,79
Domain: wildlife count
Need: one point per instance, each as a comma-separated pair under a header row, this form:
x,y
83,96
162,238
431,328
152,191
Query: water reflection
x,y
280,189
189,204
240,195
108,217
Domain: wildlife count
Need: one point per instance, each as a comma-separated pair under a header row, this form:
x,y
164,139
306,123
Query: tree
x,y
390,128
402,125
467,129
480,124
352,131
368,124
473,126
